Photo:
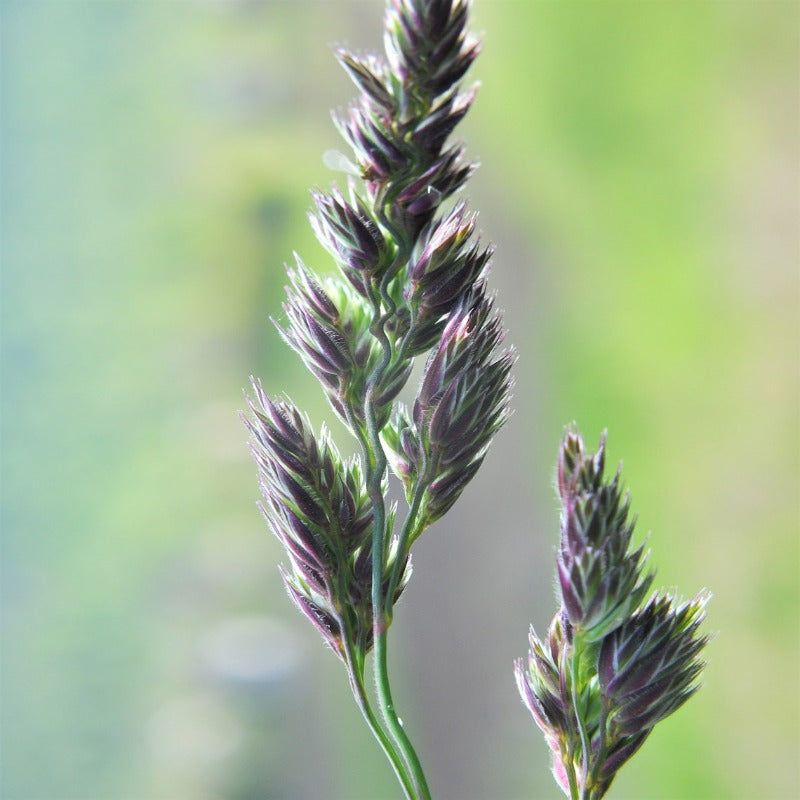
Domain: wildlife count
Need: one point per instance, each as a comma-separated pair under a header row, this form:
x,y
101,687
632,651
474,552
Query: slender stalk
x,y
380,619
575,662
395,725
568,752
354,662
600,756
403,760
402,545
574,792
388,748
355,670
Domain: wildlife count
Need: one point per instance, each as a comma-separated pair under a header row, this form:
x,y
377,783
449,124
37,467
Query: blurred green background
x,y
640,182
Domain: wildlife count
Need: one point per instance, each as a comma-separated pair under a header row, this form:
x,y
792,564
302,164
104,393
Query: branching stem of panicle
x,y
409,529
375,458
355,665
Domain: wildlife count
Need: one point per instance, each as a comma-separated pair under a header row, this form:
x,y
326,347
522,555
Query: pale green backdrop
x,y
640,183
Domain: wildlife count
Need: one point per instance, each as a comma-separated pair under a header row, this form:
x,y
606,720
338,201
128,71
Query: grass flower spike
x,y
614,662
411,284
411,280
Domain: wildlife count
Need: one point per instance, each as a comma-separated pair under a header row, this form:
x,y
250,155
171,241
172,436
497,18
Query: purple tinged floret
x,y
648,666
368,75
461,403
601,579
348,231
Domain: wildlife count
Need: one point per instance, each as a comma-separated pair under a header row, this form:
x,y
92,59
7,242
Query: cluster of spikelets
x,y
411,279
318,508
614,662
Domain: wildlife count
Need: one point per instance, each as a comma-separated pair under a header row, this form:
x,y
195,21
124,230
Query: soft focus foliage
x,y
640,165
